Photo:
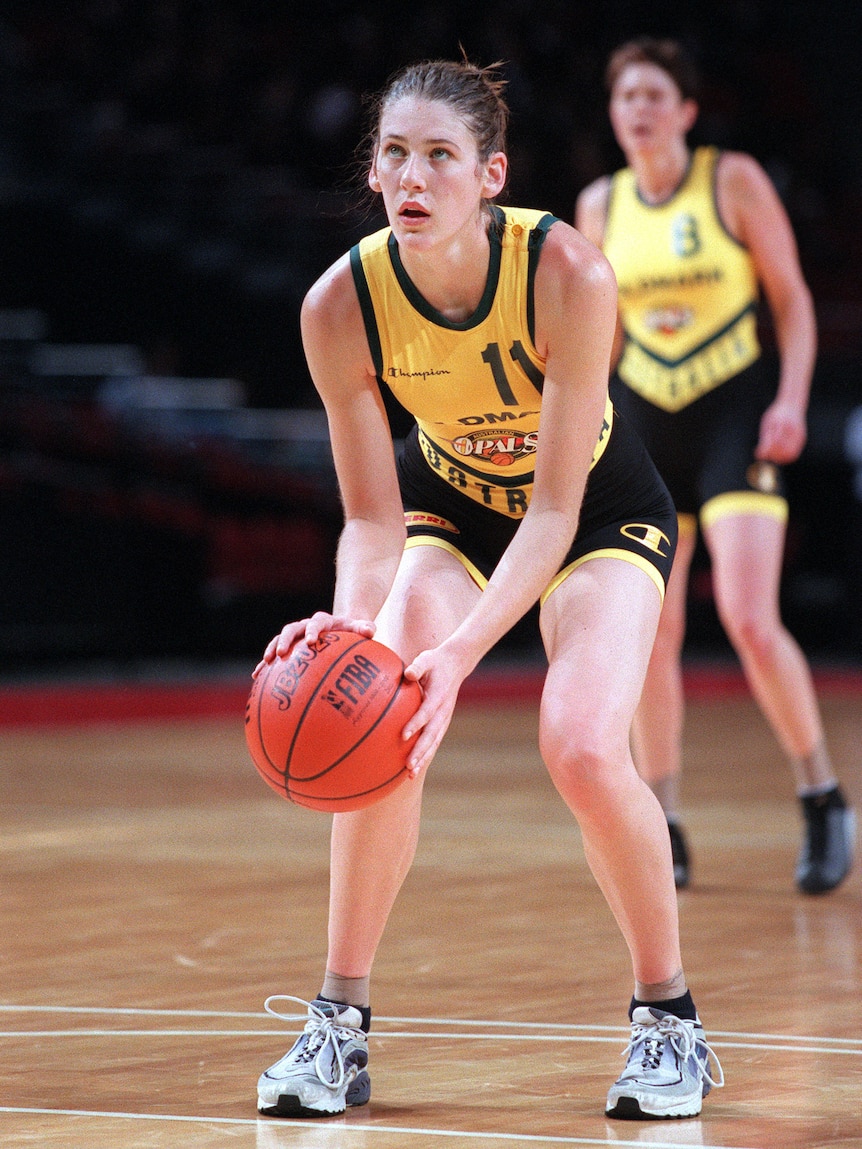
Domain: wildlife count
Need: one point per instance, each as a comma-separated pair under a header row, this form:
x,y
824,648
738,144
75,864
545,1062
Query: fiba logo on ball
x,y
338,703
352,685
356,678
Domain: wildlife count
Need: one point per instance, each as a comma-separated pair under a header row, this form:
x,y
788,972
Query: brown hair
x,y
669,55
475,93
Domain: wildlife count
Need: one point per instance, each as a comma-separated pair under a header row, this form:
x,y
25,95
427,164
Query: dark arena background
x,y
173,177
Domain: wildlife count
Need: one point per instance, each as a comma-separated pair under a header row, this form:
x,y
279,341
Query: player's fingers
x,y
426,745
285,640
269,655
427,725
416,723
320,623
317,625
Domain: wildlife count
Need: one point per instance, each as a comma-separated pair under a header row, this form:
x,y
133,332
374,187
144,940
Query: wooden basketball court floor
x,y
155,891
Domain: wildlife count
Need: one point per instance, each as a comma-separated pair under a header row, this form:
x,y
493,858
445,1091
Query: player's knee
x,y
755,634
580,760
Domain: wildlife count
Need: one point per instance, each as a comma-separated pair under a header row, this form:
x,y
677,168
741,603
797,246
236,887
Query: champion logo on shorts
x,y
424,519
763,476
647,534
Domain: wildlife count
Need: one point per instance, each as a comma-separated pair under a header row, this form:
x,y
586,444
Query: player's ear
x,y
495,175
373,181
690,111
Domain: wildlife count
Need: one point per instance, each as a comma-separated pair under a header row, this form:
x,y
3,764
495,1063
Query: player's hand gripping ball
x,y
323,725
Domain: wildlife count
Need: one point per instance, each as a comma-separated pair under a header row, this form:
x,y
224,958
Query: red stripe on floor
x,y
81,704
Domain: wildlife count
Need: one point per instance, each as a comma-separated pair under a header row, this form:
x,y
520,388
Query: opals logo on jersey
x,y
492,447
669,320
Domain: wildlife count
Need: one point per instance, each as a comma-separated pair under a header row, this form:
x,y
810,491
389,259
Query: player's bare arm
x,y
591,210
591,213
753,211
340,364
372,538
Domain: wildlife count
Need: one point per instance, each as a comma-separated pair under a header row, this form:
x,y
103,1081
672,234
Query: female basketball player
x,y
692,237
494,328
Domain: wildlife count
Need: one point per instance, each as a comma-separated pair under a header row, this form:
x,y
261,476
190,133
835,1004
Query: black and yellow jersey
x,y
687,289
474,387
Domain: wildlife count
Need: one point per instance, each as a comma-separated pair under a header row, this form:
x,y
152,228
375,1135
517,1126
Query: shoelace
x,y
321,1031
682,1041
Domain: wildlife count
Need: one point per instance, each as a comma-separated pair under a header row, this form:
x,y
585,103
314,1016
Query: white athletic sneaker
x,y
324,1071
668,1072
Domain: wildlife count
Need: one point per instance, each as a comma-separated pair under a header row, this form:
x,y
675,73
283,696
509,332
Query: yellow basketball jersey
x,y
687,289
474,387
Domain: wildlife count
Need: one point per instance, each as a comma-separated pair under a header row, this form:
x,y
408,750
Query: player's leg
x,y
372,850
370,854
598,627
746,551
658,722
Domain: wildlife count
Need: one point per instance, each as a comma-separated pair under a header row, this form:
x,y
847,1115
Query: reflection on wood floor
x,y
154,892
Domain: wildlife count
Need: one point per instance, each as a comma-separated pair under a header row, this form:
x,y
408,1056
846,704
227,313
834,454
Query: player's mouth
x,y
412,212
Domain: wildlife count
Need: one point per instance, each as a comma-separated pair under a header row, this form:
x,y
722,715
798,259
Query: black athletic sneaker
x,y
679,850
827,851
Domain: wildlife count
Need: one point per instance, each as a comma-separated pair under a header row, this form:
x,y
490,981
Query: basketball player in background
x,y
693,236
494,328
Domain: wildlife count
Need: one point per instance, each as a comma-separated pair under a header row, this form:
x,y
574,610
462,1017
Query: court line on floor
x,y
548,1031
398,1130
423,1035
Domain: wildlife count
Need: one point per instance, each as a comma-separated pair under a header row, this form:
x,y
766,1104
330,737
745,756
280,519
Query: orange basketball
x,y
323,725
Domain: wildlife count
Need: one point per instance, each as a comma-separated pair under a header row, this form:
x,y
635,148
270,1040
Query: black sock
x,y
831,799
365,1010
679,1006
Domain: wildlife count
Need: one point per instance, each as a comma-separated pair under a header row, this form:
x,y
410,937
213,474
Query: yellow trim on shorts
x,y
743,503
561,576
606,553
431,541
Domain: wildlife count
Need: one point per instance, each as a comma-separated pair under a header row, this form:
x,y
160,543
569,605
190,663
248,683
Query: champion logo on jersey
x,y
501,450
